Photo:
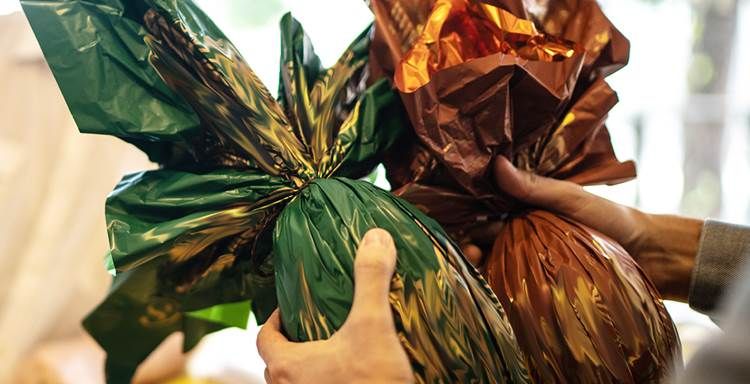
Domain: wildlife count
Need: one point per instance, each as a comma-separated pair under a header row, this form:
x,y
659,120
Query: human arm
x,y
688,259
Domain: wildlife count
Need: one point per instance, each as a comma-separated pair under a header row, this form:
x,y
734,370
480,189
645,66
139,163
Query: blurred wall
x,y
53,183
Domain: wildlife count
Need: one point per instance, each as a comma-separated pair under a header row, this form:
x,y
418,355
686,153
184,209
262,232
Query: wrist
x,y
668,251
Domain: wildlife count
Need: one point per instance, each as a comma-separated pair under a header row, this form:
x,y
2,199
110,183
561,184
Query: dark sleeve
x,y
726,358
722,252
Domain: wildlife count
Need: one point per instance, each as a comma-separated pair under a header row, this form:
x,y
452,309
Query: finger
x,y
571,200
557,195
267,376
510,180
271,342
473,254
484,235
373,269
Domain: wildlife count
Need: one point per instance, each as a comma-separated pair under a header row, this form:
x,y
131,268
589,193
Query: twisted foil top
x,y
457,31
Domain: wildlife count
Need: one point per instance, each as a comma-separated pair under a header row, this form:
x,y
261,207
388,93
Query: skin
x,y
665,247
366,348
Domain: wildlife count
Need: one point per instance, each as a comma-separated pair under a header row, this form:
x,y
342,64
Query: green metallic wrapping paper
x,y
450,324
89,44
254,205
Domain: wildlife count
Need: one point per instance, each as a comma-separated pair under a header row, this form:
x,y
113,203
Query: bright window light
x,y
9,6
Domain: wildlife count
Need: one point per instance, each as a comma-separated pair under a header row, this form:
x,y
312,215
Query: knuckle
x,y
371,261
373,265
369,322
263,343
260,340
278,370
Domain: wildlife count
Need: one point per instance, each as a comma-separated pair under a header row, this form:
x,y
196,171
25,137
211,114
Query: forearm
x,y
689,260
667,252
665,246
686,259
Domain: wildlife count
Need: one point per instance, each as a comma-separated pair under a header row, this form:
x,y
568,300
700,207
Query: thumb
x,y
622,223
373,269
271,342
509,179
561,196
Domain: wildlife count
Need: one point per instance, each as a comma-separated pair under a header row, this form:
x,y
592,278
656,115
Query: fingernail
x,y
376,236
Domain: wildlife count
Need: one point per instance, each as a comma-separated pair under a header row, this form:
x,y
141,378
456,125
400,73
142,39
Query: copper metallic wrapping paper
x,y
255,203
583,310
481,79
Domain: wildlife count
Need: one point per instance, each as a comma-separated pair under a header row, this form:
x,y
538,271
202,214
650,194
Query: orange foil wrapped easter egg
x,y
581,308
525,80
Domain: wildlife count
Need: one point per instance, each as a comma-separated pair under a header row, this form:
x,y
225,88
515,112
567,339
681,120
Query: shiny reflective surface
x,y
457,31
197,242
451,325
582,311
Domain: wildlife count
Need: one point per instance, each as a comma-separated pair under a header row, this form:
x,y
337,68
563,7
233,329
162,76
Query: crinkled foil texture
x,y
581,309
449,322
192,244
544,112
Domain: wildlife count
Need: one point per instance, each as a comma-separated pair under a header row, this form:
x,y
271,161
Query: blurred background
x,y
684,116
